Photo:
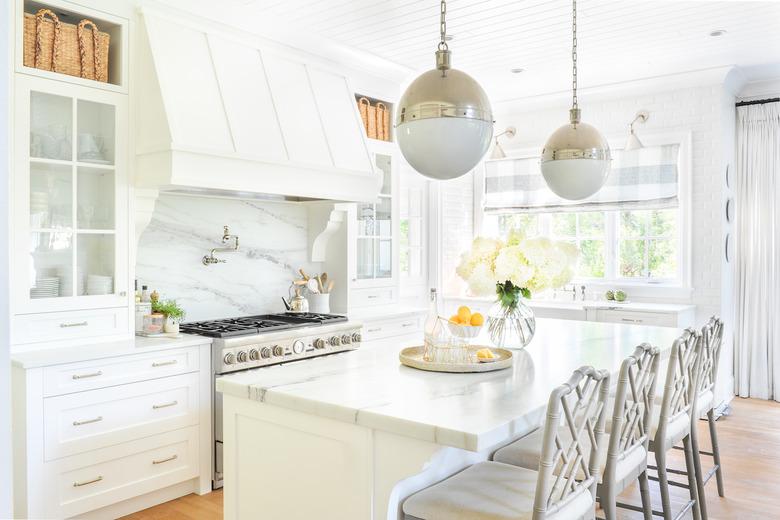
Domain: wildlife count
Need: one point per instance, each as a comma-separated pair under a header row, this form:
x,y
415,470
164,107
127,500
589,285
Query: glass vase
x,y
511,326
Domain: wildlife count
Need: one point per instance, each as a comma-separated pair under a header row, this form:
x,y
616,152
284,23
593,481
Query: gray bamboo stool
x,y
492,490
625,458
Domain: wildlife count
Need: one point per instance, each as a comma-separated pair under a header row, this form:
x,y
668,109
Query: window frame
x,y
678,287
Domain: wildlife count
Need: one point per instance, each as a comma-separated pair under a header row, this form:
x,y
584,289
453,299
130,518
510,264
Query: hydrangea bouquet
x,y
513,270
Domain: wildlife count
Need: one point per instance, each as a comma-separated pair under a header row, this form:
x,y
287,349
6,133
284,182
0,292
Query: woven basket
x,y
382,122
368,115
77,50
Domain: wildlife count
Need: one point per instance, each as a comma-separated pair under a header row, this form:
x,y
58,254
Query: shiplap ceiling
x,y
618,40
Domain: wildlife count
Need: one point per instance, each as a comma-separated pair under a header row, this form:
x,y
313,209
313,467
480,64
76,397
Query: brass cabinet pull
x,y
88,421
166,405
156,364
172,457
374,330
407,324
79,484
84,376
77,324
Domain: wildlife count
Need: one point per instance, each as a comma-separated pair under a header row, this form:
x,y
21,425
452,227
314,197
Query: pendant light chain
x,y
443,27
574,53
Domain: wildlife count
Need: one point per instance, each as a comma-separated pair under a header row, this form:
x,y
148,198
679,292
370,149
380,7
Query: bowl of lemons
x,y
465,324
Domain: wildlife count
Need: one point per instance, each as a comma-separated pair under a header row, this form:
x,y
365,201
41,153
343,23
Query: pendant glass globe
x,y
445,123
575,160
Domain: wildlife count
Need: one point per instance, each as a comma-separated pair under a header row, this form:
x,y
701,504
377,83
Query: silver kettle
x,y
297,303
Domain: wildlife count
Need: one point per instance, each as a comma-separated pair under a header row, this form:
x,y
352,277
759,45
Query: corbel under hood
x,y
227,117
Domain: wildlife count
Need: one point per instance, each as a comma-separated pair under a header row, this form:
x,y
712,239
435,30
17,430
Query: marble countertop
x,y
369,386
100,350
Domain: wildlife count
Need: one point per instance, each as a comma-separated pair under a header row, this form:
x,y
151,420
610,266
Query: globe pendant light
x,y
444,124
576,158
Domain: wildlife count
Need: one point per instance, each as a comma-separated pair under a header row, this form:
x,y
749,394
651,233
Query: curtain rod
x,y
757,102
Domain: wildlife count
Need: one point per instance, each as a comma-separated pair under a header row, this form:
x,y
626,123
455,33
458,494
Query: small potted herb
x,y
173,314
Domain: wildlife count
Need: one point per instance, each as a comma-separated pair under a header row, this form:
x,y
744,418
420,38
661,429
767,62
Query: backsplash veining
x,y
273,240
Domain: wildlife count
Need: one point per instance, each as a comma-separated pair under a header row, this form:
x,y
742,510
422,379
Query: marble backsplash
x,y
273,245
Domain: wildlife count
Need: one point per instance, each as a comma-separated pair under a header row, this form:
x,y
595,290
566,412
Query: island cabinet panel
x,y
297,110
273,453
247,99
339,119
187,80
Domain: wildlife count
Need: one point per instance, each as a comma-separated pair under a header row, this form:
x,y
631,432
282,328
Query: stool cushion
x,y
490,491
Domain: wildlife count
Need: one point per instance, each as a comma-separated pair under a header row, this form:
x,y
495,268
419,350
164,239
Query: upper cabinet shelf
x,y
216,113
112,44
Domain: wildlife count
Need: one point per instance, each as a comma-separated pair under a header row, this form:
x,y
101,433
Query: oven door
x,y
216,479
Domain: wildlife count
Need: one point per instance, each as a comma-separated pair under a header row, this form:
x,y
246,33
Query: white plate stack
x,y
99,284
66,281
48,287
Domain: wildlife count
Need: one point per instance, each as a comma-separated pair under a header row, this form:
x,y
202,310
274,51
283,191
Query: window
x,y
620,246
411,232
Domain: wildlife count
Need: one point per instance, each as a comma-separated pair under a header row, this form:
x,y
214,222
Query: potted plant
x,y
173,314
512,270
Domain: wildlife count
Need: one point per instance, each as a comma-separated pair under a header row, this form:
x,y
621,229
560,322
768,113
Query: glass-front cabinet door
x,y
376,228
70,190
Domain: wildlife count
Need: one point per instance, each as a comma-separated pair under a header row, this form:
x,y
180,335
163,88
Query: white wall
x,y
5,375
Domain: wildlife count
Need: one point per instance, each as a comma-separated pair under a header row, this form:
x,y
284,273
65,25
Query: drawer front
x,y
85,421
638,318
76,485
360,298
59,326
88,375
392,327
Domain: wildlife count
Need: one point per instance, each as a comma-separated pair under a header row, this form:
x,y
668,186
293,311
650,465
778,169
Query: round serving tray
x,y
413,357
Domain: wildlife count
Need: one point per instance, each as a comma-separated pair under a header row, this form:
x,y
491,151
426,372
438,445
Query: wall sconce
x,y
633,142
498,152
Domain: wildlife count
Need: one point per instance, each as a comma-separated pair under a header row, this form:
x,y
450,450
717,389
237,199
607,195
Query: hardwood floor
x,y
750,450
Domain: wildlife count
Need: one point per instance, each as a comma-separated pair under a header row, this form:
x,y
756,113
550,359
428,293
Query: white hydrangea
x,y
512,265
482,281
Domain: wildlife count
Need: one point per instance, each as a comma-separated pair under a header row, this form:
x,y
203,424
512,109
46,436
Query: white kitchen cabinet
x,y
401,326
672,317
70,212
111,435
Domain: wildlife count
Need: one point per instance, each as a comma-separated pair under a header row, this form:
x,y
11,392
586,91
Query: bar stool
x,y
492,490
625,458
672,421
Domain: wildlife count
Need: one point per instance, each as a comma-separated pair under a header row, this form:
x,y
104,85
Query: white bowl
x,y
464,331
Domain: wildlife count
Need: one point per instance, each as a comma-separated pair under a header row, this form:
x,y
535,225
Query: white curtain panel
x,y
757,331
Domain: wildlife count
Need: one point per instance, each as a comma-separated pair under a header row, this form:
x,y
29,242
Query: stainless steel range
x,y
269,339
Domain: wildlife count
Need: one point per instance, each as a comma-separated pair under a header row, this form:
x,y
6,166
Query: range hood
x,y
219,115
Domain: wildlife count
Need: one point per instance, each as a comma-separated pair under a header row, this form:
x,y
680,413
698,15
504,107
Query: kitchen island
x,y
349,436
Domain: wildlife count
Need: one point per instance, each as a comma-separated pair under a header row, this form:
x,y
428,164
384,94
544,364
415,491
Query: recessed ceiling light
x,y
718,32
517,70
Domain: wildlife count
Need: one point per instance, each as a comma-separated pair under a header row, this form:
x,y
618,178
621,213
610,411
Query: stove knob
x,y
278,350
334,341
298,347
265,353
346,339
319,343
254,354
356,337
242,358
230,358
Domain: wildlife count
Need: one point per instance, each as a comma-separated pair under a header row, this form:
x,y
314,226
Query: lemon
x,y
485,353
477,320
464,313
455,319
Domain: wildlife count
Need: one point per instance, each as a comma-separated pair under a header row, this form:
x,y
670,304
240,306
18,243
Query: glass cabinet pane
x,y
383,218
95,132
51,265
51,196
95,263
95,198
365,258
384,258
366,220
51,126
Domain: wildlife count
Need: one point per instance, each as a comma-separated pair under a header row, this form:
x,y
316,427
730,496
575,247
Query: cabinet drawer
x,y
75,485
59,326
360,298
392,327
88,375
638,318
85,421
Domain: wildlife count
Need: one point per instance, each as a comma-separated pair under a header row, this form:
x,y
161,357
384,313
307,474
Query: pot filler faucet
x,y
226,238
